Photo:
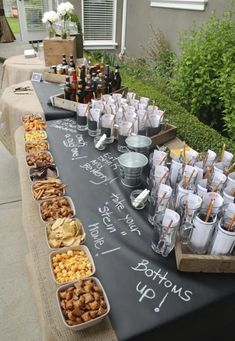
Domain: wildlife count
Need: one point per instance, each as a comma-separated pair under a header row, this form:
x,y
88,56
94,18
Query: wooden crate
x,y
189,262
165,135
54,77
60,102
55,48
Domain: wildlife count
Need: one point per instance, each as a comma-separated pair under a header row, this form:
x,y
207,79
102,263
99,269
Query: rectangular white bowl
x,y
70,203
64,250
56,196
45,151
57,171
30,132
31,142
90,323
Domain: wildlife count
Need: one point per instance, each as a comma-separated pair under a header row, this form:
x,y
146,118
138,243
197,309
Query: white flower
x,y
50,16
65,8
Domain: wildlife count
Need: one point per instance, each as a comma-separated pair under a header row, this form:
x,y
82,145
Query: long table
x,y
149,298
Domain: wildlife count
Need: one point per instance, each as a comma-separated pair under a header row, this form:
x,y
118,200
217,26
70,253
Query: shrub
x,y
201,66
196,134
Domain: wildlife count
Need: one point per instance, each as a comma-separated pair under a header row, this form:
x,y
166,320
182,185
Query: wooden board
x,y
54,49
54,77
165,135
189,262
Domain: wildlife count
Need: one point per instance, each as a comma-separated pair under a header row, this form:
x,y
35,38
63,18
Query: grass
x,y
14,24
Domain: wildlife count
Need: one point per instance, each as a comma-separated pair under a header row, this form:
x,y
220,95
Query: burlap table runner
x,y
12,108
38,262
18,69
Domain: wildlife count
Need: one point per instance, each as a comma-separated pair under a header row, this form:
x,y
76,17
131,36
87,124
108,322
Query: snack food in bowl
x,y
43,173
39,159
55,208
37,146
65,232
34,125
46,189
36,135
83,303
31,117
71,263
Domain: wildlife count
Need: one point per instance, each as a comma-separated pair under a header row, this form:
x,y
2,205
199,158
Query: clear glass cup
x,y
106,126
124,130
93,122
82,111
164,232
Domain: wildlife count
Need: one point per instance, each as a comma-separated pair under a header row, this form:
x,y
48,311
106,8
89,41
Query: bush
x,y
196,134
202,67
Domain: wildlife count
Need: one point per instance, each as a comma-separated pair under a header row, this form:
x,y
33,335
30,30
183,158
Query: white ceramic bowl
x,y
46,151
70,201
90,323
64,250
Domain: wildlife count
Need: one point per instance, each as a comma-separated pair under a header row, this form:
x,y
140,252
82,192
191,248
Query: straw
x,y
162,198
184,183
94,95
222,152
190,178
209,210
230,168
230,225
163,160
163,176
217,186
87,107
186,209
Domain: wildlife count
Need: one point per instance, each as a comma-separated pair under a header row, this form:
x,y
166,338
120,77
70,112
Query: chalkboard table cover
x,y
149,298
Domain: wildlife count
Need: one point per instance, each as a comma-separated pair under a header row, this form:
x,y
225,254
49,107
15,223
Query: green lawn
x,y
14,24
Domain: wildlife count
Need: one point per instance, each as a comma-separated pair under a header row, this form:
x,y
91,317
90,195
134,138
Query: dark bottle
x,y
67,89
71,62
64,61
107,78
100,85
88,90
116,82
74,86
80,92
83,75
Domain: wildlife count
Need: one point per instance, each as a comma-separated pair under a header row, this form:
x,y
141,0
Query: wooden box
x,y
54,78
166,134
60,102
54,49
189,262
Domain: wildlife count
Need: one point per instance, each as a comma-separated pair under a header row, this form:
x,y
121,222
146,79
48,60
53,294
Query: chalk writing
x,y
159,277
131,224
65,124
98,166
74,143
119,204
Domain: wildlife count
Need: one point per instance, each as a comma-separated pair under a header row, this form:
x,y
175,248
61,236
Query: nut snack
x,y
71,264
65,232
39,159
46,189
43,173
53,209
27,118
83,303
36,135
37,146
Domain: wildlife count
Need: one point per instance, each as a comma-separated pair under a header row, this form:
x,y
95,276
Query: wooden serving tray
x,y
166,134
189,262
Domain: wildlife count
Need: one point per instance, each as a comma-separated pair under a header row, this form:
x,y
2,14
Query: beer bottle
x,y
116,83
88,91
74,86
71,62
64,61
80,92
83,75
67,89
107,78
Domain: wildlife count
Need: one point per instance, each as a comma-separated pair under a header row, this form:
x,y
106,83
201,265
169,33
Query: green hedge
x,y
196,134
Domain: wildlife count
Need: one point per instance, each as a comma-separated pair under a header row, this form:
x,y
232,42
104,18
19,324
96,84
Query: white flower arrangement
x,y
50,17
64,10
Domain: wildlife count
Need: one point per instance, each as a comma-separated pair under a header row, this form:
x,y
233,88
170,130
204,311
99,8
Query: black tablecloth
x,y
44,91
149,298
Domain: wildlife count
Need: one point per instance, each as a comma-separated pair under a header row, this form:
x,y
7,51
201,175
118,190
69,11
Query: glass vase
x,y
51,32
